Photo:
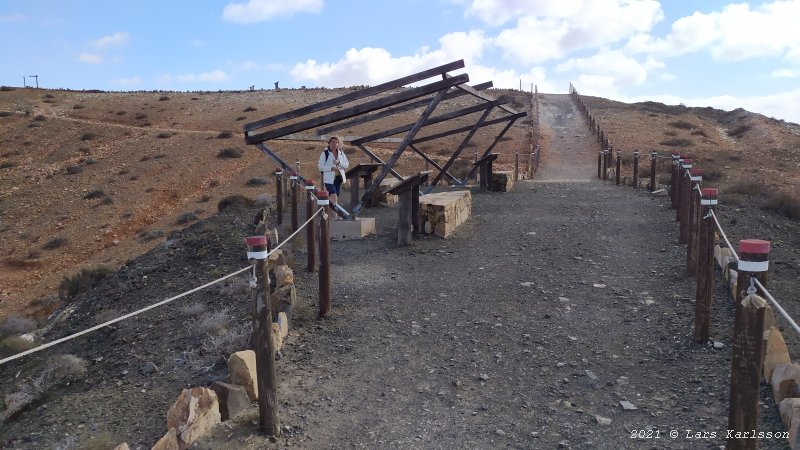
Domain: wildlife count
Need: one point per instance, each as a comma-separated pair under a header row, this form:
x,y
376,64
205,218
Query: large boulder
x,y
194,413
242,370
232,399
785,378
168,442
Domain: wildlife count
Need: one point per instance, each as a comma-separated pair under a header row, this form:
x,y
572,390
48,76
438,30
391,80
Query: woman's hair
x,y
334,137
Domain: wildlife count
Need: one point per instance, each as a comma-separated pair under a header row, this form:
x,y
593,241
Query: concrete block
x,y
352,229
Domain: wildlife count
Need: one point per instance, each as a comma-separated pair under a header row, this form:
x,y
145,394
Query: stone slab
x,y
352,229
441,213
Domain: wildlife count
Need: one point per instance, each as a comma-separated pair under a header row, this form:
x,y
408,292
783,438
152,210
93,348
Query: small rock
x,y
563,299
602,420
718,344
627,406
500,432
149,368
590,374
599,285
484,377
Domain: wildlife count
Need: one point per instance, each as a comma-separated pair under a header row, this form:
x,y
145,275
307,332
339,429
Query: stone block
x,y
232,399
352,229
442,212
283,324
776,352
381,196
502,181
784,381
242,370
276,336
283,299
284,276
123,446
194,413
168,442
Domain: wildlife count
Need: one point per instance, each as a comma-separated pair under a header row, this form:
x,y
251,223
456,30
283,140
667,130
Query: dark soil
x,y
550,306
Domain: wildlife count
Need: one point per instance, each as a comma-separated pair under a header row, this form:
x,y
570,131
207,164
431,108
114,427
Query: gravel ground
x,y
556,304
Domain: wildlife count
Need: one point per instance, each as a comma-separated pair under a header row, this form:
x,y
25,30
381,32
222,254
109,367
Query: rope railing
x,y
149,307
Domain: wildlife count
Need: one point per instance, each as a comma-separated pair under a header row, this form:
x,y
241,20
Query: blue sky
x,y
700,53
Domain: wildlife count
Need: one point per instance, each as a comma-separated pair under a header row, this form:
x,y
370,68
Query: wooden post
x,y
355,190
404,228
600,165
477,176
279,195
636,169
705,266
294,186
311,229
286,186
693,221
653,158
483,171
686,193
324,256
266,377
619,166
605,165
748,349
516,166
415,225
673,186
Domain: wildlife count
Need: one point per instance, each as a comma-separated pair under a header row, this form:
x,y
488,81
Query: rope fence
x,y
755,356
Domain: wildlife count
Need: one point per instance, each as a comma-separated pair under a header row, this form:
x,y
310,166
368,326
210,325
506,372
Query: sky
x,y
698,53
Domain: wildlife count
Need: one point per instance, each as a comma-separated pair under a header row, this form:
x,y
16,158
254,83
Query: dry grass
x,y
783,204
230,152
71,287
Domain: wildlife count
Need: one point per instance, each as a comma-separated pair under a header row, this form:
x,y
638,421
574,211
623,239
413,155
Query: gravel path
x,y
554,304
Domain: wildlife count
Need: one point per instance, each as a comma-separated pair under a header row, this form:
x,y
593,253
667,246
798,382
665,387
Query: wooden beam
x,y
433,120
400,148
461,147
376,158
356,95
481,95
467,128
491,147
432,162
452,93
353,111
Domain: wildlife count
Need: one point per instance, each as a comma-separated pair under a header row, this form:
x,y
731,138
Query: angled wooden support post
x,y
324,255
748,349
408,195
400,148
311,228
636,169
279,195
375,158
695,178
705,266
653,158
429,161
491,147
266,375
461,146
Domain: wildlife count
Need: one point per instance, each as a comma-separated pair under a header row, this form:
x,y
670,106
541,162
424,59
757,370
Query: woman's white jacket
x,y
327,168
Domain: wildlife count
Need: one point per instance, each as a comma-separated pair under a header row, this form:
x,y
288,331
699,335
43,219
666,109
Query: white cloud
x,y
215,76
90,58
133,81
785,73
608,70
547,30
11,18
498,12
376,65
114,40
734,34
262,10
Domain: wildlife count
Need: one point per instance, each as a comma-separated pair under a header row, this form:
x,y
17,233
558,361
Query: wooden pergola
x,y
380,104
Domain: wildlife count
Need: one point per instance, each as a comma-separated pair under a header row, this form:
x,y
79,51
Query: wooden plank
x,y
461,147
355,95
482,96
407,184
433,120
434,164
452,93
362,169
491,147
467,128
400,148
375,158
357,110
488,158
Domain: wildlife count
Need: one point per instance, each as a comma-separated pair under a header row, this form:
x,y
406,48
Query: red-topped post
x,y
311,228
748,349
266,375
705,266
324,256
695,177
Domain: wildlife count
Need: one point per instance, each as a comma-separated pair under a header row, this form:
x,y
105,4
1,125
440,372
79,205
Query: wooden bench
x,y
485,166
408,194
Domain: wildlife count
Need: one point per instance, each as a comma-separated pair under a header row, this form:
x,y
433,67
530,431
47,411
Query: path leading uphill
x,y
559,317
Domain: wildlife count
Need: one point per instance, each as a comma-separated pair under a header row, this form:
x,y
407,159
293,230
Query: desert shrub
x,y
213,322
731,199
6,113
97,193
257,181
213,183
676,142
225,135
783,204
745,187
12,345
506,138
121,113
6,88
163,98
712,174
8,164
144,158
250,109
240,118
150,235
56,242
160,155
230,152
140,116
39,118
71,287
89,161
671,133
739,131
49,96
164,135
235,201
192,309
204,198
17,325
186,218
74,170
682,124
699,132
78,107
88,136
68,367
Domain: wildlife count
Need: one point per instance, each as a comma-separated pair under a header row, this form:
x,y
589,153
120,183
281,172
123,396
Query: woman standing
x,y
332,163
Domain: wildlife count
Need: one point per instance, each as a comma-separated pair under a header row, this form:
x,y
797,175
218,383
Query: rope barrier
x,y
722,233
155,305
777,305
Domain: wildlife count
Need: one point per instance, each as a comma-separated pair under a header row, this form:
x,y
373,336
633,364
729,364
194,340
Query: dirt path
x,y
555,303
